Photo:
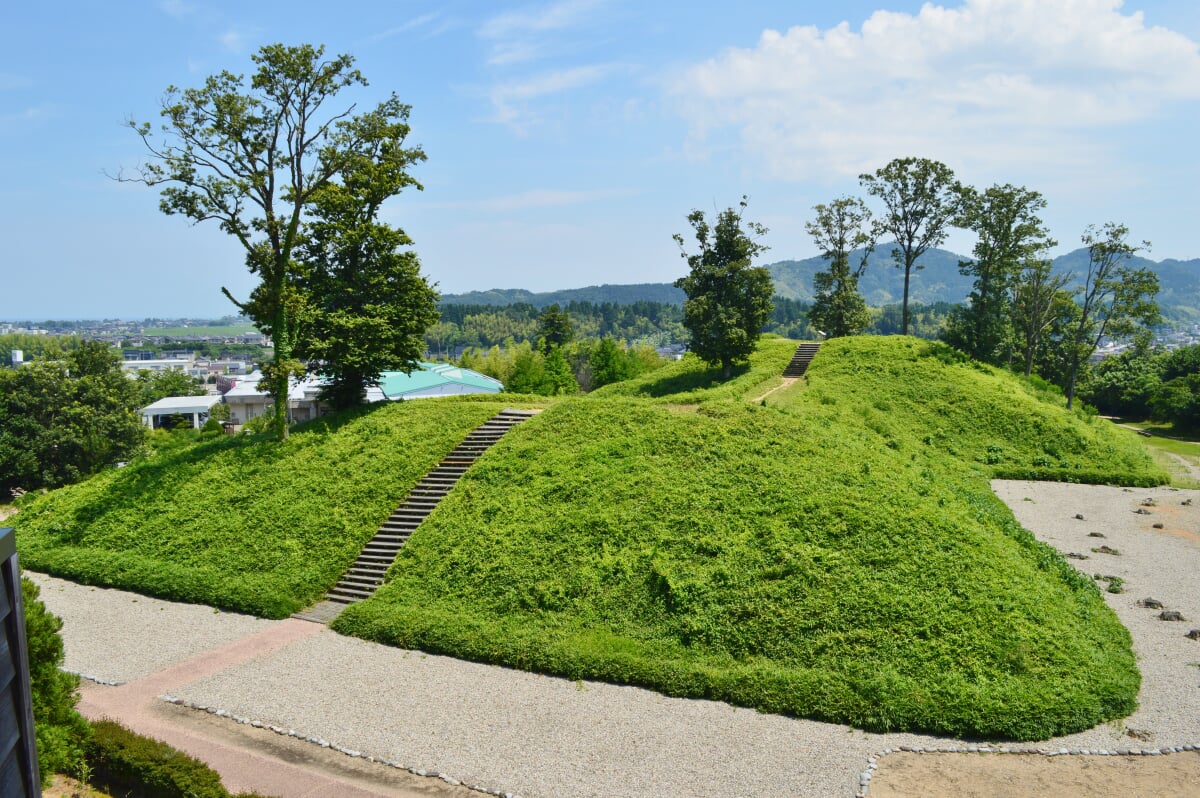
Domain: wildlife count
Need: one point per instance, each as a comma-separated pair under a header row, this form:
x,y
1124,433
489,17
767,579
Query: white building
x,y
198,407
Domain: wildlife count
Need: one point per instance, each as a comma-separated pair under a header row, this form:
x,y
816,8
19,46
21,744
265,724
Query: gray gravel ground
x,y
117,636
1163,564
535,735
540,736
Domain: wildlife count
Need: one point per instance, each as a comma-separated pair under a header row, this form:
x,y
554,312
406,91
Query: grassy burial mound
x,y
245,523
835,554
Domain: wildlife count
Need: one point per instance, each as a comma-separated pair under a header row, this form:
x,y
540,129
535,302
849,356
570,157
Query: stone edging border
x,y
96,679
221,713
864,778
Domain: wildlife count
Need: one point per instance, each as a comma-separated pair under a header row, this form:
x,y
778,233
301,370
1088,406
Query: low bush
x,y
61,732
133,766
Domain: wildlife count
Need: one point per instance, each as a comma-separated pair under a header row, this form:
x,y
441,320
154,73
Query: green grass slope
x,y
689,381
836,554
923,391
245,523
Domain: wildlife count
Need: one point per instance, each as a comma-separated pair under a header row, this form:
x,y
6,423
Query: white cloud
x,y
404,27
233,40
531,34
987,82
512,100
534,199
556,16
32,115
11,82
177,8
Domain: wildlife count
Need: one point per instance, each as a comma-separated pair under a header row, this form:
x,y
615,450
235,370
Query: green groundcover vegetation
x,y
833,551
245,523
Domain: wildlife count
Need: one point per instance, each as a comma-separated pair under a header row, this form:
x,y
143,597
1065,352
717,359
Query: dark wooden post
x,y
18,745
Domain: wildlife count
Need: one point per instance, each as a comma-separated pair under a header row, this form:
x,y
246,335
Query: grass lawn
x,y
1172,450
244,522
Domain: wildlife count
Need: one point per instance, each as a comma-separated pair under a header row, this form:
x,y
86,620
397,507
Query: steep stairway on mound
x,y
366,573
800,360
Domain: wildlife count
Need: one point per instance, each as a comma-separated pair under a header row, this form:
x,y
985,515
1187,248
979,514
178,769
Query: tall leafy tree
x,y
251,156
1032,304
920,202
367,306
1011,235
554,328
156,385
841,228
64,419
728,300
1116,297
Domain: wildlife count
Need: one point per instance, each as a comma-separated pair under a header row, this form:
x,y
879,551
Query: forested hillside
x,y
881,284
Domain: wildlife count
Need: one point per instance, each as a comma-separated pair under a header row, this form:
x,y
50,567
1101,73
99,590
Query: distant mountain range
x,y
881,284
665,293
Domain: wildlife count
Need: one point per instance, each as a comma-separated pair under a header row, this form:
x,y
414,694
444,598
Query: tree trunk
x,y
726,368
1071,383
279,380
904,312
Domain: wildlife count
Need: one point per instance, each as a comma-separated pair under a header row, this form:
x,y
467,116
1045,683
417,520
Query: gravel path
x,y
1163,564
117,636
541,736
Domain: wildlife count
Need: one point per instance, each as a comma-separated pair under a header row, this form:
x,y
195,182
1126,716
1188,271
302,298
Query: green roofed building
x,y
436,379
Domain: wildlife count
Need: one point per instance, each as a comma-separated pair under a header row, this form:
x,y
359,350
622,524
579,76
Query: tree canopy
x,y
64,419
1011,239
840,228
367,306
255,157
1116,297
554,328
920,201
728,300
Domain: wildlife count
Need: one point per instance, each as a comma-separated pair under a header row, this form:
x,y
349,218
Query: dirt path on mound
x,y
787,383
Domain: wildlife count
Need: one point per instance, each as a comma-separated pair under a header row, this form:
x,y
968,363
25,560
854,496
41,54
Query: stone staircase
x,y
366,573
800,360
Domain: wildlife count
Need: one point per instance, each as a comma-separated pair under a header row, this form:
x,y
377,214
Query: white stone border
x,y
221,713
864,778
90,678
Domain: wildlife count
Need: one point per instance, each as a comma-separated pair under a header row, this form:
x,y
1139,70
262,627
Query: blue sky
x,y
568,140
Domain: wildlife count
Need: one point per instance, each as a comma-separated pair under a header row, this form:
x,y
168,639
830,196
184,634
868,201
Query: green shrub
x,y
61,731
134,766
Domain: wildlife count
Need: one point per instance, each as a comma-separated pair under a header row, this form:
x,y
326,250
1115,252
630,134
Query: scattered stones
x,y
1079,517
1150,604
1186,502
1137,734
1193,635
1074,555
1142,511
1095,534
1158,526
1149,502
1170,615
1107,550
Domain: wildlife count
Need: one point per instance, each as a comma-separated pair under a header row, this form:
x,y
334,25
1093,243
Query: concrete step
x,y
367,572
349,593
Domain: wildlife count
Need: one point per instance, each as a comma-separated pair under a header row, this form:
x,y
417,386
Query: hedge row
x,y
132,766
